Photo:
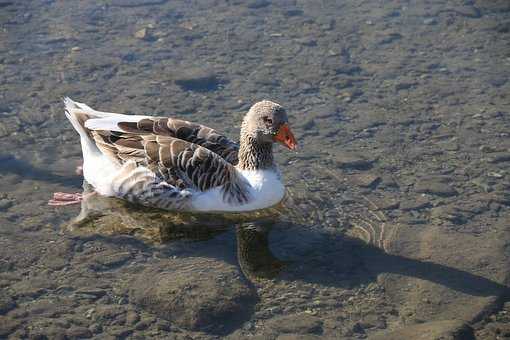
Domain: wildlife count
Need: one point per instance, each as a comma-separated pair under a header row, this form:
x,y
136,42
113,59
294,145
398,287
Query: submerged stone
x,y
197,294
136,3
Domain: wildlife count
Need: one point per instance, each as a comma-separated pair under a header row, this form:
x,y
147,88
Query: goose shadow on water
x,y
267,246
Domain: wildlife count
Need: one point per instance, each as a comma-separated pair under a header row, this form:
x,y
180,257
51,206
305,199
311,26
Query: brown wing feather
x,y
187,131
176,161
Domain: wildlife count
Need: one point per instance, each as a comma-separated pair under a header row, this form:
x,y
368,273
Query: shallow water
x,y
396,217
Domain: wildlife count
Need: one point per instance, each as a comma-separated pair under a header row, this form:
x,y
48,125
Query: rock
x,y
8,325
142,34
132,318
299,337
110,313
435,330
438,186
294,12
76,332
96,328
388,37
451,214
430,21
499,157
54,332
8,127
306,41
372,321
385,203
365,180
352,161
136,3
357,328
502,329
415,204
5,204
210,297
90,293
197,80
501,197
468,11
308,124
298,323
6,303
256,4
404,86
498,80
119,332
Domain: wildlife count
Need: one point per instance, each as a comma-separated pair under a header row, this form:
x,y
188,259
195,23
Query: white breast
x,y
266,190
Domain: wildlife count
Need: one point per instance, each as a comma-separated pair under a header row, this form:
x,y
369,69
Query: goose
x,y
174,164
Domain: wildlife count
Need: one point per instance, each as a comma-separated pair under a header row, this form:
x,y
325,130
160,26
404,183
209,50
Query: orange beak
x,y
286,137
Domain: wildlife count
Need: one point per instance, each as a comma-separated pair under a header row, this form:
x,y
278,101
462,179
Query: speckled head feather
x,y
263,121
259,127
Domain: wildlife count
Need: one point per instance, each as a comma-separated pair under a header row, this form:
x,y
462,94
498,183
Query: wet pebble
x,y
352,161
6,303
197,80
132,318
450,214
110,260
417,203
119,332
96,328
499,157
142,34
77,332
468,11
256,4
299,337
5,204
435,186
136,3
366,180
430,21
298,323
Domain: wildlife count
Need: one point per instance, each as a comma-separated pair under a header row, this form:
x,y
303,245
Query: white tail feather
x,y
71,106
111,123
97,120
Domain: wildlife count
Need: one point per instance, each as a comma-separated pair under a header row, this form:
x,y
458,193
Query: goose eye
x,y
267,120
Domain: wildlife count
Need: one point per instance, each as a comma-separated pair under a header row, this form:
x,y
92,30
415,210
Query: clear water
x,y
397,195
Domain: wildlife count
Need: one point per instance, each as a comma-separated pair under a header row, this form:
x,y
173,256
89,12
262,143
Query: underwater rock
x,y
5,204
297,324
435,186
415,204
352,161
136,3
199,294
256,4
77,332
366,180
499,157
6,303
447,329
197,80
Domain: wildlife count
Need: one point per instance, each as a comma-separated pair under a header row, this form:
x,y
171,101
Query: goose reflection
x,y
110,216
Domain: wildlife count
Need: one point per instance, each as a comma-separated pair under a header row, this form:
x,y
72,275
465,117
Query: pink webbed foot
x,y
63,198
